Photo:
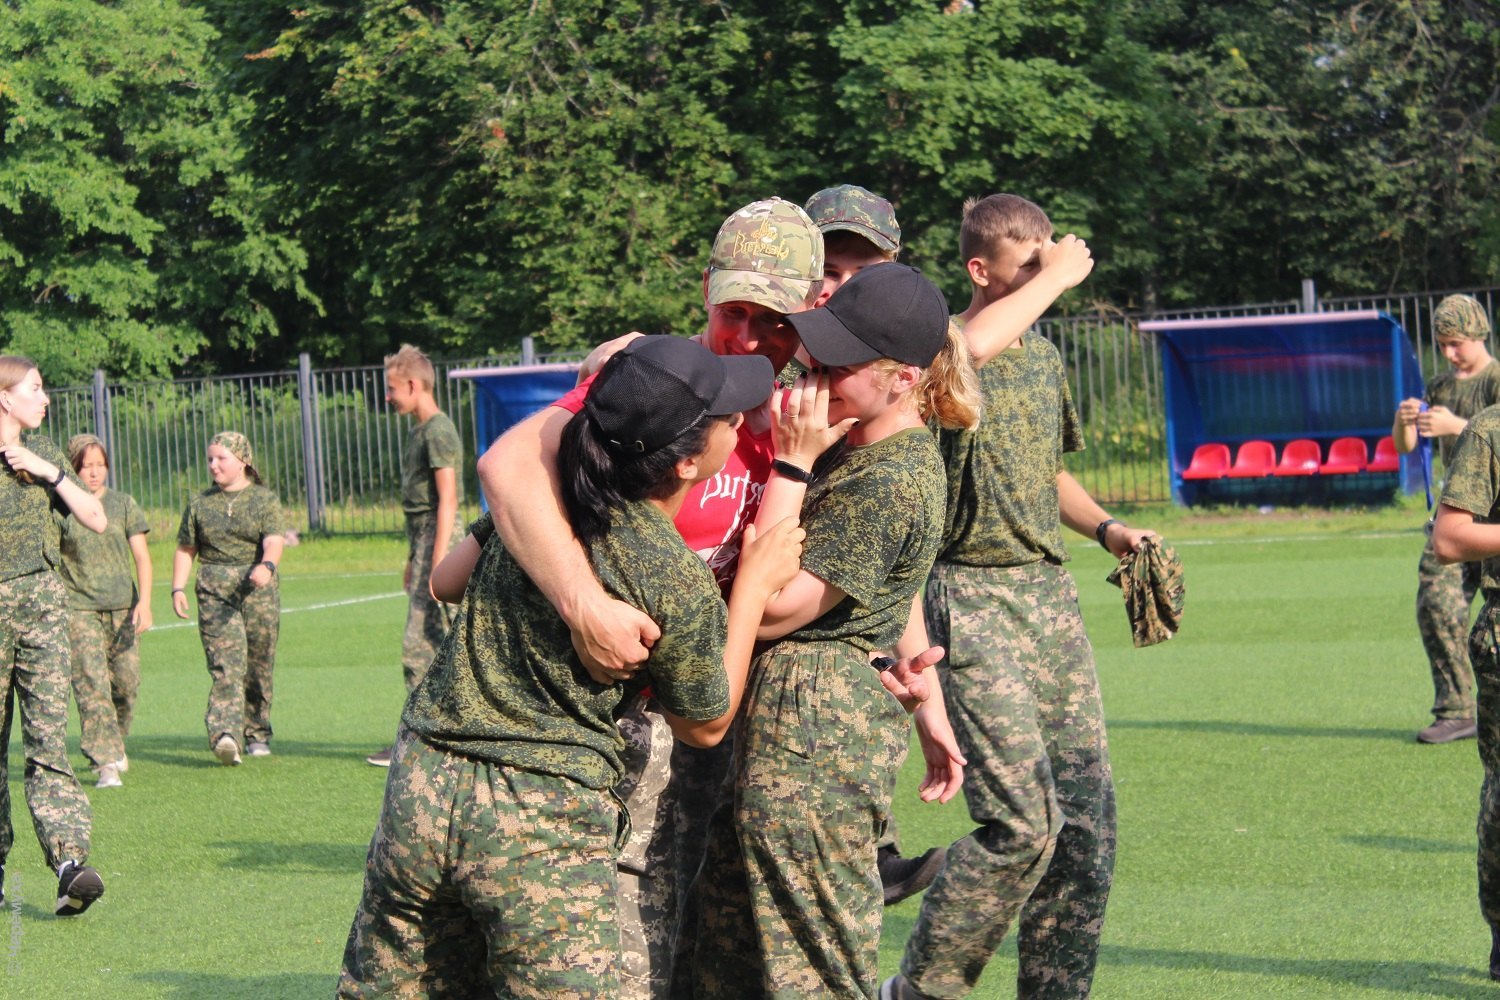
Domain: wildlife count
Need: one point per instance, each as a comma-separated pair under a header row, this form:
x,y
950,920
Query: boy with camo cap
x,y
1444,593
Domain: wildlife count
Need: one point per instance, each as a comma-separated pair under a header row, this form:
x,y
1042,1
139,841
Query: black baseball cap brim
x,y
748,381
829,341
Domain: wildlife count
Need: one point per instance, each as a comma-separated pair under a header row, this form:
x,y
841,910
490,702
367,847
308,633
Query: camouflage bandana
x,y
768,253
236,444
861,212
78,444
1151,578
1460,316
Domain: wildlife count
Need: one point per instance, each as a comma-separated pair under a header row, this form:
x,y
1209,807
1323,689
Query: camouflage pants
x,y
1484,650
648,891
239,625
1024,702
1444,594
788,903
34,671
106,676
427,618
485,881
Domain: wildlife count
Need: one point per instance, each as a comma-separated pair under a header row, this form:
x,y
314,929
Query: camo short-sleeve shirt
x,y
432,444
874,519
1465,397
98,568
506,687
1474,480
227,528
1002,475
28,532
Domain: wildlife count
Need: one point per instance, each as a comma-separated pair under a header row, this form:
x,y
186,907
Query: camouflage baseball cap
x,y
769,253
1460,316
851,207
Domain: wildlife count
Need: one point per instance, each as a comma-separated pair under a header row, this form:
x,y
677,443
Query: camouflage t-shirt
x,y
874,519
28,533
1474,480
432,444
226,528
1465,397
99,569
1002,476
507,688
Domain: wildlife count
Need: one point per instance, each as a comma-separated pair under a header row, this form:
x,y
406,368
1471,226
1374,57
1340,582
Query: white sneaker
x,y
109,777
123,764
258,748
227,750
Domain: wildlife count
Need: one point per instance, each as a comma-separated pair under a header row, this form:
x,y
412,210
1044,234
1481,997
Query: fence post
x,y
312,469
528,350
102,429
1309,295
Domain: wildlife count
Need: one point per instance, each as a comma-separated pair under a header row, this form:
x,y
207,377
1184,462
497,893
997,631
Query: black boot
x,y
904,877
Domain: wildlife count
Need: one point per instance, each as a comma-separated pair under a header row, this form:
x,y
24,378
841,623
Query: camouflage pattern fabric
x,y
1444,596
1465,397
648,891
1002,476
98,568
768,252
28,538
889,495
1484,651
34,673
432,444
789,903
483,880
226,528
507,688
239,625
427,618
1460,316
1023,698
1151,578
103,650
1473,482
850,207
698,777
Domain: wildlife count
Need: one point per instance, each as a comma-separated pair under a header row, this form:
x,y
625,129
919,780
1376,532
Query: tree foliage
x,y
189,182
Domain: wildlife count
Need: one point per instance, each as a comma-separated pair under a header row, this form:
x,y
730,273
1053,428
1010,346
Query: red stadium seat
x,y
1210,461
1346,456
1299,458
1254,460
1386,459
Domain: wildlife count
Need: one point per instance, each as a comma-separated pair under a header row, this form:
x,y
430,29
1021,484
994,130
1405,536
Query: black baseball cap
x,y
884,311
657,387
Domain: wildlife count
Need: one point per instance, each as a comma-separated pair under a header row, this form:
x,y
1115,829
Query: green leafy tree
x,y
131,235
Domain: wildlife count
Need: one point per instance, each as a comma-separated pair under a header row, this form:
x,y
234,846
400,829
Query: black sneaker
x,y
77,888
380,758
904,877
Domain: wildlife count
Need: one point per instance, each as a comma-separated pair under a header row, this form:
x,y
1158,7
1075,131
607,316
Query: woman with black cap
x,y
788,902
492,867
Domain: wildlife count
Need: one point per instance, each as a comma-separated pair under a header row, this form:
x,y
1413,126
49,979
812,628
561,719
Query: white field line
x,y
291,611
1262,539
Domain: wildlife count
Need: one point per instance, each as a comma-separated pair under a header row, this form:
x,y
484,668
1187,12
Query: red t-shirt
x,y
715,511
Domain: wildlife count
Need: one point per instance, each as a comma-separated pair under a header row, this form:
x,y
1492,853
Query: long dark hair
x,y
597,481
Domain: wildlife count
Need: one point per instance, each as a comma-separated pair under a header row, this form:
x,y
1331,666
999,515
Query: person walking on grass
x,y
234,530
431,490
1445,592
35,664
492,870
108,579
1019,677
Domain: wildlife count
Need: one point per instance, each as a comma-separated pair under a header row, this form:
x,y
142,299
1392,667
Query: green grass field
x,y
1280,832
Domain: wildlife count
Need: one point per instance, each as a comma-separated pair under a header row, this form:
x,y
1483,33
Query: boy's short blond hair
x,y
843,240
998,217
410,362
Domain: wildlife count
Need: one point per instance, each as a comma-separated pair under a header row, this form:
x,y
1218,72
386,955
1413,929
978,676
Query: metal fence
x,y
326,440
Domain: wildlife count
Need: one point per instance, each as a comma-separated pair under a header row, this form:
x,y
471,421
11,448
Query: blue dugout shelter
x,y
1280,379
503,397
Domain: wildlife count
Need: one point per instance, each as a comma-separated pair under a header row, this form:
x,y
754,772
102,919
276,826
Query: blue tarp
x,y
504,397
1276,378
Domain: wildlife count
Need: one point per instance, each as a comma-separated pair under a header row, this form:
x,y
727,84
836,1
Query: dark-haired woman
x,y
35,667
492,868
234,529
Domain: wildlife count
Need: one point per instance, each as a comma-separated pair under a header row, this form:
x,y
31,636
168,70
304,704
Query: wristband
x,y
268,564
61,475
178,590
1103,530
792,472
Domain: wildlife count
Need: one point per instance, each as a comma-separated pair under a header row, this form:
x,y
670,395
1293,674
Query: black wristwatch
x,y
61,475
793,472
268,564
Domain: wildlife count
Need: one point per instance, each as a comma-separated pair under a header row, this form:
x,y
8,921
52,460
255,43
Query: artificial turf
x,y
1281,834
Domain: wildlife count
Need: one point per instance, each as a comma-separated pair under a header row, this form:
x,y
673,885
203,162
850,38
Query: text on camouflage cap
x,y
768,253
